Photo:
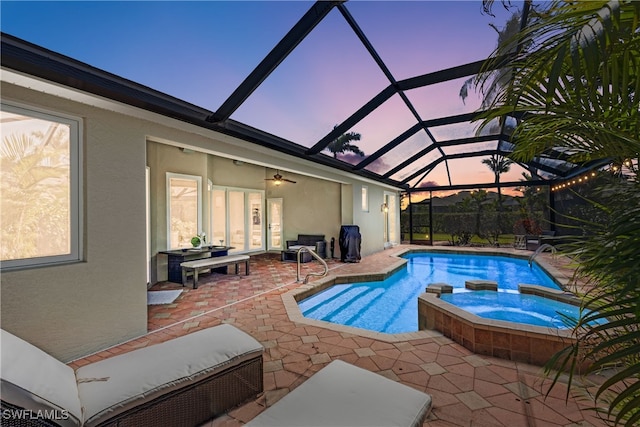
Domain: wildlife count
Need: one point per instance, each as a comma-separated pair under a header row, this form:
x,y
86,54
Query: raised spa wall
x,y
506,340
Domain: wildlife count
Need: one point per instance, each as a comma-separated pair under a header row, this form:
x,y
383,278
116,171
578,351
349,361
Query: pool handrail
x,y
316,256
541,249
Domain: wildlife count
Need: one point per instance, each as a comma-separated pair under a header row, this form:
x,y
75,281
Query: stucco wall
x,y
371,222
74,309
311,206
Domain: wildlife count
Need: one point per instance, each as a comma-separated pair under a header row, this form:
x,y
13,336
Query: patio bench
x,y
185,381
341,394
207,263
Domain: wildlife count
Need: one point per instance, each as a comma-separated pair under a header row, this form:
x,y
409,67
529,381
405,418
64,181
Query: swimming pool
x,y
390,306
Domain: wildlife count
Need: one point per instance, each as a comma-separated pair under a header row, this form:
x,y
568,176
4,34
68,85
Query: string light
x,y
573,181
615,168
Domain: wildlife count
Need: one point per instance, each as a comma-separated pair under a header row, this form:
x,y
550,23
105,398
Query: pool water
x,y
390,306
520,308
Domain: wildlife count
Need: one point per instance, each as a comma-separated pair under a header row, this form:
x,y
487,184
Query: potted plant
x,y
198,240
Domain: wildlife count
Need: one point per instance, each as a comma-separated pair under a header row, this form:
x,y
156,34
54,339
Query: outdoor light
x,y
384,208
277,182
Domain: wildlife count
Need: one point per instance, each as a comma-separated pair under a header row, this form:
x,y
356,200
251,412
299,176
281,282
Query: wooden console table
x,y
178,256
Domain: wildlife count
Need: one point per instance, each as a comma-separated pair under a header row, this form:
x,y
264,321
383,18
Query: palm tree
x,y
342,144
496,79
498,165
577,85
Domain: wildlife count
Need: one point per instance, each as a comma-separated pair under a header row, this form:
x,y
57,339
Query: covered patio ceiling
x,y
389,71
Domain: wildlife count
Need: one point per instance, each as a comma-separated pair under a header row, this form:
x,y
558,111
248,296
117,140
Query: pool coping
x,y
290,299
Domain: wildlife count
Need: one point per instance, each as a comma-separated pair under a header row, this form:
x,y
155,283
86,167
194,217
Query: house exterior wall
x,y
371,222
311,206
76,309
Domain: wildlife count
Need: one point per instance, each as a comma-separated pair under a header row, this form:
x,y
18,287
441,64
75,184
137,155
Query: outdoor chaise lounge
x,y
341,395
182,382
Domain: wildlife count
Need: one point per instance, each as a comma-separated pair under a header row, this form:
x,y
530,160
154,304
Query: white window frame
x,y
196,178
364,196
76,201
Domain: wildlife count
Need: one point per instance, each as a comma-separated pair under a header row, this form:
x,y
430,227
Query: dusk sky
x,y
200,51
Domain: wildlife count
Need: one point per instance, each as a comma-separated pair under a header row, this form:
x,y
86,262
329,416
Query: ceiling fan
x,y
278,179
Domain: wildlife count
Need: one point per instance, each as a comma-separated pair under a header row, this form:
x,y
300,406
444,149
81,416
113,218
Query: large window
x,y
184,204
237,218
39,187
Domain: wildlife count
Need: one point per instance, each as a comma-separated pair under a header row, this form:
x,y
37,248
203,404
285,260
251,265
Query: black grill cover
x,y
350,242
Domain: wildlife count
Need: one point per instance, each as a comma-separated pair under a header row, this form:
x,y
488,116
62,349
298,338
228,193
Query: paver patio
x,y
467,389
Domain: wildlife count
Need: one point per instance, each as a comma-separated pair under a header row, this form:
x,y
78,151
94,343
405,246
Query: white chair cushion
x,y
112,386
342,395
36,381
296,247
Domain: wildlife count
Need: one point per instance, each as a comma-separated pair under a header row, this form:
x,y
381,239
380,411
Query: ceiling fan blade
x,y
288,180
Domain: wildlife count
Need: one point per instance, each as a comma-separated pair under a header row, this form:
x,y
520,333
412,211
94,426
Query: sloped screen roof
x,y
297,75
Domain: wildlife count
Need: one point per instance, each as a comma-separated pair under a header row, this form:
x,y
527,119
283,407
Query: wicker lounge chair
x,y
182,382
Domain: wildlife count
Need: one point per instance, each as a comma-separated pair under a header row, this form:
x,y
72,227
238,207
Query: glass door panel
x,y
237,220
218,211
393,219
255,220
274,231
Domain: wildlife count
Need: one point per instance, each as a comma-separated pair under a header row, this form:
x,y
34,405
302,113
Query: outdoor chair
x,y
184,381
341,394
315,242
534,242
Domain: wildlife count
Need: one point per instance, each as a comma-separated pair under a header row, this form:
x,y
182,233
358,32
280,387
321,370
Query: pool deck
x,y
467,389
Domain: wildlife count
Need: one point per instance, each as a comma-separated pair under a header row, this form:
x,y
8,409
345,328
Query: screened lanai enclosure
x,y
391,91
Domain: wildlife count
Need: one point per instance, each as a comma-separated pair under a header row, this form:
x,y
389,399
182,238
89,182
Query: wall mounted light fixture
x,y
384,208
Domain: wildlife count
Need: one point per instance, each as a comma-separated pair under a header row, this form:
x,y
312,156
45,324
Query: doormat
x,y
162,297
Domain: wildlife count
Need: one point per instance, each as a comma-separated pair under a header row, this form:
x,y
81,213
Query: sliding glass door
x,y
237,218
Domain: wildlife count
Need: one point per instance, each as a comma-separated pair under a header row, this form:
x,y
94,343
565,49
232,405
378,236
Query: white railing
x,y
541,249
316,256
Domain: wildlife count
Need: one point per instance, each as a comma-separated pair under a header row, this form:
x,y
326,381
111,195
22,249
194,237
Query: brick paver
x,y
467,389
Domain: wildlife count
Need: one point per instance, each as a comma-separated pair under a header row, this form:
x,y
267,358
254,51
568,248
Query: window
x,y
184,204
365,198
40,185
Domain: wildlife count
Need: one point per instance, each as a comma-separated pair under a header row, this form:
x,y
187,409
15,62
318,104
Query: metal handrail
x,y
316,256
540,249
